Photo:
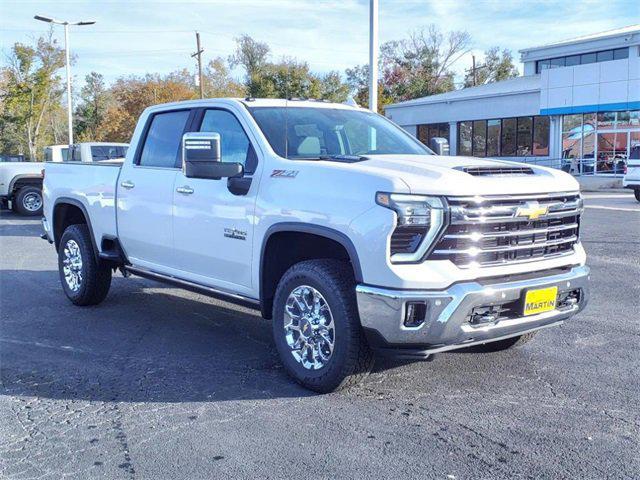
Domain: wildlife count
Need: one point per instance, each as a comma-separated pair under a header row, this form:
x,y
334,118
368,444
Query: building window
x,y
602,140
479,138
432,130
508,145
507,137
493,138
571,60
525,140
465,130
541,127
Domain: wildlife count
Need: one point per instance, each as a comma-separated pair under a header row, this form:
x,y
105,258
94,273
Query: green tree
x,y
288,78
91,112
498,65
218,81
252,56
358,84
31,92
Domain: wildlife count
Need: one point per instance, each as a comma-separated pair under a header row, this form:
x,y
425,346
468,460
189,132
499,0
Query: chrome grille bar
x,y
494,230
477,236
473,251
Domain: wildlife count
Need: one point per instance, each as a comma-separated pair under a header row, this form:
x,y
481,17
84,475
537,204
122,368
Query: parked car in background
x,y
632,176
346,231
21,187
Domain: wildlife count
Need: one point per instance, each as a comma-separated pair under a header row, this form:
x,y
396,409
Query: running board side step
x,y
195,287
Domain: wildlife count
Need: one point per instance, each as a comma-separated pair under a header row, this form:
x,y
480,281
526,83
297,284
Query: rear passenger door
x,y
145,192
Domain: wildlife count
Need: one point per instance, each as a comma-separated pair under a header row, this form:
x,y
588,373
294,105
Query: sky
x,y
144,36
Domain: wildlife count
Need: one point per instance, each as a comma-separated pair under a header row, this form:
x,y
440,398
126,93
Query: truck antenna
x,y
286,116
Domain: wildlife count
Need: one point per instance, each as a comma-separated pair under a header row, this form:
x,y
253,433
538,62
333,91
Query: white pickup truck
x,y
86,152
347,232
21,187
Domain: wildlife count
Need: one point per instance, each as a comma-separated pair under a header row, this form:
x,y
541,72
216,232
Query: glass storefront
x,y
504,137
431,130
599,143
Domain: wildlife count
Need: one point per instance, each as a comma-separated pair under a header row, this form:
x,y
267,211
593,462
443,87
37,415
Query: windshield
x,y
314,133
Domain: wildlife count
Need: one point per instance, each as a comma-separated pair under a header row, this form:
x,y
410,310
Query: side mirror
x,y
439,145
201,157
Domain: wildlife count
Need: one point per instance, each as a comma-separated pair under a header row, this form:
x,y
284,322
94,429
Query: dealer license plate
x,y
540,300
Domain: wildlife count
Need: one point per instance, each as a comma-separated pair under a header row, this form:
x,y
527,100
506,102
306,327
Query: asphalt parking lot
x,y
161,383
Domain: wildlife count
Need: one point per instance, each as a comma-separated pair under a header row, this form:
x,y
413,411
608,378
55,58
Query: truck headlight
x,y
421,219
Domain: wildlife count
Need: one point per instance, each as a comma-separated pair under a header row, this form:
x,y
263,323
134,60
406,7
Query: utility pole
x,y
199,55
373,55
66,25
473,60
474,70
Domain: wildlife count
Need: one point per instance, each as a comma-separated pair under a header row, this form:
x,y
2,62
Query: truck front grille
x,y
496,230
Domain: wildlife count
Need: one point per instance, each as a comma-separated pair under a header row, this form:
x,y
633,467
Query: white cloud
x,y
157,36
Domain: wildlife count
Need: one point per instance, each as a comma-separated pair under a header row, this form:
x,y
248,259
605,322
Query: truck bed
x,y
92,185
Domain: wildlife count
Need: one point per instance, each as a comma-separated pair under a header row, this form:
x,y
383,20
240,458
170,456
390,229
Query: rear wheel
x,y
316,326
85,281
636,192
28,201
505,344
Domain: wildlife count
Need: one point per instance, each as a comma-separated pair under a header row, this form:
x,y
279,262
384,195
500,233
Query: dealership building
x,y
577,106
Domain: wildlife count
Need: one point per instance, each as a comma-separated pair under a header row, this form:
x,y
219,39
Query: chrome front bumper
x,y
447,323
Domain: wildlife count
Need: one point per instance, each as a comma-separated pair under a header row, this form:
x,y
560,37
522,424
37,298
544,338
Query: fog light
x,y
415,314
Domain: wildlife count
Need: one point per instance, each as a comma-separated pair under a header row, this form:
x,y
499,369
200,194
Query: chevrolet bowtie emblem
x,y
532,210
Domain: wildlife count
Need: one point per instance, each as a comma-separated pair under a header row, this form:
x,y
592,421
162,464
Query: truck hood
x,y
444,175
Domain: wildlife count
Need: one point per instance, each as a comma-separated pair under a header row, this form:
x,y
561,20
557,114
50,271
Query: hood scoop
x,y
503,170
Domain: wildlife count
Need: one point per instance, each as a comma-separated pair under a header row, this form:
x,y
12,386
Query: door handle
x,y
127,184
185,190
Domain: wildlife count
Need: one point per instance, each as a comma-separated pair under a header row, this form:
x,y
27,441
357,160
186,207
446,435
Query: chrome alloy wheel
x,y
32,202
309,328
72,265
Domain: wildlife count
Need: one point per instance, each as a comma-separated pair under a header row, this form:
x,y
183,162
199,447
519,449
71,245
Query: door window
x,y
163,140
234,143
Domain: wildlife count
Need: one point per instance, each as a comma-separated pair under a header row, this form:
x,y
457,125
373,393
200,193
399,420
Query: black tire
x,y
95,280
636,192
505,344
351,360
23,201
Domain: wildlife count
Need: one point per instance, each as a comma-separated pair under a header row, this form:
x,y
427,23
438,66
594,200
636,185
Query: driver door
x,y
213,228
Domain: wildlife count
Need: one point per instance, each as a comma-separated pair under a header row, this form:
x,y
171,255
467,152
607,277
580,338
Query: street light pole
x,y
68,63
373,55
69,106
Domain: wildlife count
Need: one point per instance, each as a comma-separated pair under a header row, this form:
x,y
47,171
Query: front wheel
x,y
316,326
28,201
85,281
636,192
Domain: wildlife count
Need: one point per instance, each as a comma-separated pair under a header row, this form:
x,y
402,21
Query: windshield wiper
x,y
344,158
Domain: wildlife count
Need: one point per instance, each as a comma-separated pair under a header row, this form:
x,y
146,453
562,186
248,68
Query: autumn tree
x,y
417,66
133,94
496,66
31,92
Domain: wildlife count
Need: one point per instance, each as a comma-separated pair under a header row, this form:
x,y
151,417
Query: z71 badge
x,y
284,173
